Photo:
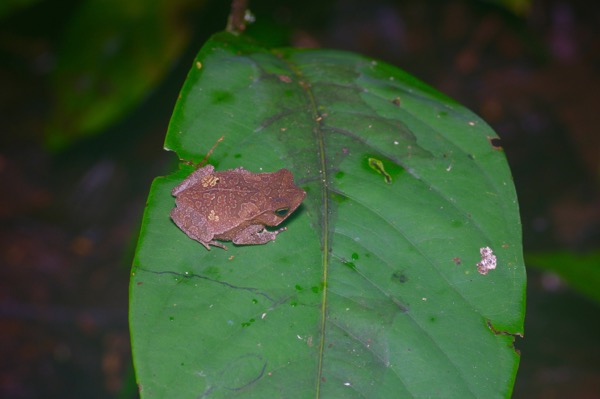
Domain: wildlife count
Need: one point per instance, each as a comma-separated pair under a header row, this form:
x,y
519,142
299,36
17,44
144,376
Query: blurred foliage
x,y
9,7
580,271
112,54
519,7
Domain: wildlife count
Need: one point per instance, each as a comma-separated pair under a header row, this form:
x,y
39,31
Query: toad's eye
x,y
282,211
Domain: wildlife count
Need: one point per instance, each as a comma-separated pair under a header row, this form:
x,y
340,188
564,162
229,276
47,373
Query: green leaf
x,y
373,290
112,54
10,7
519,7
580,271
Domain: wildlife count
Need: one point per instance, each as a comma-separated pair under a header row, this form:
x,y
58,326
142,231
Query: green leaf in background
x,y
9,7
373,291
112,54
518,7
580,271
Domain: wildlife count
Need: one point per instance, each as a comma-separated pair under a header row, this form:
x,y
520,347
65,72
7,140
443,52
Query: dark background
x,y
69,218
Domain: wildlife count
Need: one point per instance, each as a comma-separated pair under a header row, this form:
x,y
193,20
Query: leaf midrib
x,y
324,185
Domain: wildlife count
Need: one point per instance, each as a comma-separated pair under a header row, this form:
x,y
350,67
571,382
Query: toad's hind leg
x,y
193,227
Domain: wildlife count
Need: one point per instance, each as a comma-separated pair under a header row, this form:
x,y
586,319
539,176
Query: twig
x,y
205,159
236,22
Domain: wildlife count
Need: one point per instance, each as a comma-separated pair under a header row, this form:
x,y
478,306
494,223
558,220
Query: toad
x,y
234,205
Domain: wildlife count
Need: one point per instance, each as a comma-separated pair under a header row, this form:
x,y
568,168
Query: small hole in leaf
x,y
495,142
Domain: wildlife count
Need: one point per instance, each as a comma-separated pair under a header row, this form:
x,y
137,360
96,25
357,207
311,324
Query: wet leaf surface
x,y
373,290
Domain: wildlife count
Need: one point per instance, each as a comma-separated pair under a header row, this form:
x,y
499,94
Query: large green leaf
x,y
373,291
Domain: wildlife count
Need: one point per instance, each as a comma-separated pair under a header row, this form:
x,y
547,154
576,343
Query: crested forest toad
x,y
234,205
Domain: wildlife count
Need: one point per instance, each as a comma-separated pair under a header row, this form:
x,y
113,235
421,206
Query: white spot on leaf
x,y
488,260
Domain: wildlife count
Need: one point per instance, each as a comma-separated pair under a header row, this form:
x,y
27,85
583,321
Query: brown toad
x,y
234,205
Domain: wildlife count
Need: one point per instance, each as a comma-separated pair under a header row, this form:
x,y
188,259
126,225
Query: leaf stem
x,y
236,22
